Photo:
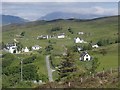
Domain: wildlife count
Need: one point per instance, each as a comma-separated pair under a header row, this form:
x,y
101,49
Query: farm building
x,y
79,48
95,46
85,56
36,47
79,40
61,35
43,37
81,33
11,48
26,49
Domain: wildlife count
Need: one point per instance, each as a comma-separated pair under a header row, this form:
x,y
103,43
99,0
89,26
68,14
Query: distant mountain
x,y
65,15
9,19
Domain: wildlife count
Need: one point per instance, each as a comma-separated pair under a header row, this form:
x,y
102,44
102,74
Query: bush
x,y
87,47
70,30
56,29
11,70
29,60
103,42
7,60
22,34
10,81
30,73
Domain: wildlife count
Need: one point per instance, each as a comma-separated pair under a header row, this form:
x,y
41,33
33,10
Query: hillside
x,y
105,26
9,19
104,30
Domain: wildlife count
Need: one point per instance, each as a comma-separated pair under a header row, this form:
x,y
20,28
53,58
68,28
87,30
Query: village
x,y
33,54
13,48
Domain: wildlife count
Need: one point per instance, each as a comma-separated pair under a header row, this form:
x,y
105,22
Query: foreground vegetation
x,y
99,80
101,31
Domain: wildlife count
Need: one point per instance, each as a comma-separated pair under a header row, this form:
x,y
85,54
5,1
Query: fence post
x,y
103,72
111,70
93,75
81,80
69,84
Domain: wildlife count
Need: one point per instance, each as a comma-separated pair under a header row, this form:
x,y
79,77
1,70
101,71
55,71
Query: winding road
x,y
49,69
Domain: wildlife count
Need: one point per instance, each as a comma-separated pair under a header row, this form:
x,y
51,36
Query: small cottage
x,y
81,33
79,48
85,56
61,35
36,47
78,40
95,46
43,37
26,49
11,48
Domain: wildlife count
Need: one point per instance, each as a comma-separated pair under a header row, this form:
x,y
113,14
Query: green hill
x,y
100,29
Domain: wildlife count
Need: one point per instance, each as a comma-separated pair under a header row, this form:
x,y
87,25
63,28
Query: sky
x,y
34,10
60,0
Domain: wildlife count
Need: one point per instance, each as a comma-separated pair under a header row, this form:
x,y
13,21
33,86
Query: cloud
x,y
101,11
33,11
98,10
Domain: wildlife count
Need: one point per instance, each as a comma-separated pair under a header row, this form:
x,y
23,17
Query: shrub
x,y
30,72
29,60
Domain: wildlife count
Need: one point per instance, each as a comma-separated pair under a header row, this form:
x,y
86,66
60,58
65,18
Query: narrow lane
x,y
49,69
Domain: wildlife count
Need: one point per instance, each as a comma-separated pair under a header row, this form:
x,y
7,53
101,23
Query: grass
x,y
105,28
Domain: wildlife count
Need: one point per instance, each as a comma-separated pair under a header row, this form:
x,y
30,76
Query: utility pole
x,y
21,70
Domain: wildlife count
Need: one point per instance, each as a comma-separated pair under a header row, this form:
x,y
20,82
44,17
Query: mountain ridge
x,y
10,19
66,15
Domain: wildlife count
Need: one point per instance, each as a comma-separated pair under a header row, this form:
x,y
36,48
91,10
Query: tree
x,y
74,48
93,67
99,43
7,59
58,28
29,60
49,48
70,30
30,48
30,72
67,67
19,46
87,47
22,34
3,45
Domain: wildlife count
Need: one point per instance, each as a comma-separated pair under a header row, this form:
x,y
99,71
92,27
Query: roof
x,y
83,54
61,34
78,38
10,44
36,46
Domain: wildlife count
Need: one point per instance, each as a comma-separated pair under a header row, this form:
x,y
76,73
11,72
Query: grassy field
x,y
104,28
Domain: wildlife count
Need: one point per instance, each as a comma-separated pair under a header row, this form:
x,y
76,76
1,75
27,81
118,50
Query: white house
x,y
43,37
81,33
85,56
79,48
79,40
26,49
11,47
61,35
36,47
95,46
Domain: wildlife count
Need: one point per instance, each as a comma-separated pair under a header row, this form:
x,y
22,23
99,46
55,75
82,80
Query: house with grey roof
x,y
85,56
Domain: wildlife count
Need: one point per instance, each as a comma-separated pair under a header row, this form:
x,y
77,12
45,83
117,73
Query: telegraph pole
x,y
21,70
